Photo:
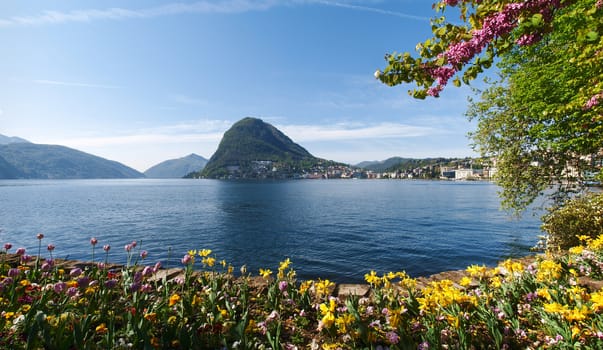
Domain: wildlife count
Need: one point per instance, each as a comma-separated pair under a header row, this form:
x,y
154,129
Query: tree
x,y
542,119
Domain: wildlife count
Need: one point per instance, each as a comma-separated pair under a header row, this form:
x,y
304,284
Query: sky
x,y
141,82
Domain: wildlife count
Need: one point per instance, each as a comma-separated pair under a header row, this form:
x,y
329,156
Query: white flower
x,y
377,74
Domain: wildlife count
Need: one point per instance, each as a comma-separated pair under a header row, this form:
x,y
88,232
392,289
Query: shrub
x,y
581,216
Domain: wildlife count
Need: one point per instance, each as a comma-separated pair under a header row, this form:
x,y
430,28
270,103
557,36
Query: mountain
x,y
5,140
34,161
252,148
176,168
382,165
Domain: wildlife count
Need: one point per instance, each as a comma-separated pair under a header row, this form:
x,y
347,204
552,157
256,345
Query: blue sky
x,y
144,81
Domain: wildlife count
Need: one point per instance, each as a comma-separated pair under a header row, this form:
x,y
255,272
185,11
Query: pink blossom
x,y
50,247
128,247
13,272
20,251
106,247
93,241
7,246
594,101
40,236
144,254
186,259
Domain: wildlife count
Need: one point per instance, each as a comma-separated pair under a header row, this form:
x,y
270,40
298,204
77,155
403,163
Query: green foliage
x,y
535,120
579,217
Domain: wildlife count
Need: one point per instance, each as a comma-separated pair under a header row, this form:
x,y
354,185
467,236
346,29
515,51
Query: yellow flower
x,y
372,278
101,329
465,281
576,331
342,321
265,273
328,313
496,282
209,261
196,300
597,301
192,252
26,307
284,264
205,253
304,286
172,320
576,314
548,270
576,250
24,283
554,308
9,315
174,299
476,270
151,316
324,287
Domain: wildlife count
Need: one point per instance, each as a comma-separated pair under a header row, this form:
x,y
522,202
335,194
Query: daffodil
x,y
265,273
175,298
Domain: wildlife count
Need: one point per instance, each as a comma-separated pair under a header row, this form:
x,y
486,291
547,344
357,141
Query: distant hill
x,y
5,140
252,147
34,161
382,165
176,168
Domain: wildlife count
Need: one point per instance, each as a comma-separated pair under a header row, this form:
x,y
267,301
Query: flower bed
x,y
552,302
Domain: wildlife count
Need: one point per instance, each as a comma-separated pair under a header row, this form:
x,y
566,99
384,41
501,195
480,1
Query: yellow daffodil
x,y
175,298
205,253
265,273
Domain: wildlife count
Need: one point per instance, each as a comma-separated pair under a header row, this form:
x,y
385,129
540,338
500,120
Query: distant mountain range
x,y
176,168
252,148
20,159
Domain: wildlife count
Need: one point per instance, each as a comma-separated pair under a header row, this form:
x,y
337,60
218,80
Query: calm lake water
x,y
335,229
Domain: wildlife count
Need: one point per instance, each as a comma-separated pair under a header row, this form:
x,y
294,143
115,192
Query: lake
x,y
335,229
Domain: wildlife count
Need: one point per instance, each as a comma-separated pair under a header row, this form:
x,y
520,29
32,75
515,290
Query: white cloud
x,y
304,133
178,8
75,84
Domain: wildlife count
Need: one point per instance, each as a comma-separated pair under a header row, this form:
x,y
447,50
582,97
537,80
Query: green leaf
x,y
592,36
537,19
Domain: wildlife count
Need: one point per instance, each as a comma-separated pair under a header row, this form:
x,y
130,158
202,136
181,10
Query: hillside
x,y
34,161
176,168
4,140
252,148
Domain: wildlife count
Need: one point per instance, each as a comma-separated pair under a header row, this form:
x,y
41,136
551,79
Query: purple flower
x,y
20,251
13,272
106,247
26,258
392,337
146,288
50,247
144,254
7,280
423,346
93,241
110,284
83,281
128,247
7,246
59,287
40,236
147,271
75,272
72,291
186,259
156,267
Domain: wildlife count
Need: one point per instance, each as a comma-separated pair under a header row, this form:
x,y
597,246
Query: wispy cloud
x,y
338,132
76,84
178,8
116,13
371,9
